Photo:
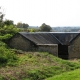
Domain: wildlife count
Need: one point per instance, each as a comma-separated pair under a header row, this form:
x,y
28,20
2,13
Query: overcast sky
x,y
36,12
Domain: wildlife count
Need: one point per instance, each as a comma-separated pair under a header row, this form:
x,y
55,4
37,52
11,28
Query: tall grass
x,y
33,65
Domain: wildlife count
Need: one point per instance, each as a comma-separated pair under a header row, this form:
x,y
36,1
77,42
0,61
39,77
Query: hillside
x,y
72,75
36,66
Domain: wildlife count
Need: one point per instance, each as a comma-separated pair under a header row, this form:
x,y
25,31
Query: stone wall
x,y
19,42
74,49
53,49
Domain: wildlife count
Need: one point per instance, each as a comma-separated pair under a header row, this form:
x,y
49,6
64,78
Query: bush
x,y
10,29
3,44
5,37
6,56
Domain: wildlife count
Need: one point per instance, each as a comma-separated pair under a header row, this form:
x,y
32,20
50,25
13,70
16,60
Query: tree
x,y
25,25
8,22
19,25
22,25
1,18
45,28
7,28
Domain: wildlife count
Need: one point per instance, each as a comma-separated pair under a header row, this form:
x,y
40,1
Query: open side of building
x,y
63,45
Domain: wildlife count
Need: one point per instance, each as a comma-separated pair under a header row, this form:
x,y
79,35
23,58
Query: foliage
x,y
7,27
31,30
37,66
3,44
28,30
8,22
5,37
45,28
7,32
22,25
1,19
11,29
6,56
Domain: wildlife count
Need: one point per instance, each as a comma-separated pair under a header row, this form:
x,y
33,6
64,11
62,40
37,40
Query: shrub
x,y
6,56
5,37
3,44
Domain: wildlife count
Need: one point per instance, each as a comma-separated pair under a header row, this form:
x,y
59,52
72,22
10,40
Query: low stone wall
x,y
19,42
53,49
74,49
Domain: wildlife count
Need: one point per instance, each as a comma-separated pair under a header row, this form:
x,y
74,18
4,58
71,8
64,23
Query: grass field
x,y
72,75
36,66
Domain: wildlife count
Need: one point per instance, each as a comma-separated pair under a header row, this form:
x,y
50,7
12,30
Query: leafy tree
x,y
19,25
45,28
7,32
9,29
25,25
1,18
22,25
8,22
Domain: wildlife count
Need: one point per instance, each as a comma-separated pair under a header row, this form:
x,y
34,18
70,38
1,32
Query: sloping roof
x,y
66,38
50,37
40,38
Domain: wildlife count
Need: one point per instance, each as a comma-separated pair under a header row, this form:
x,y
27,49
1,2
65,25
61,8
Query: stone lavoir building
x,y
65,45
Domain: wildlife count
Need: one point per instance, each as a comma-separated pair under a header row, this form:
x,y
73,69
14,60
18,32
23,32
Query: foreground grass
x,y
36,66
73,75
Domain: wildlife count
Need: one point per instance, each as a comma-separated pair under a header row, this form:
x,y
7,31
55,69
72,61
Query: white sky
x,y
36,12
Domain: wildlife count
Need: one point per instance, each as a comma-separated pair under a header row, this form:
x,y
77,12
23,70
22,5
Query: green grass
x,y
7,57
31,65
72,75
36,66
